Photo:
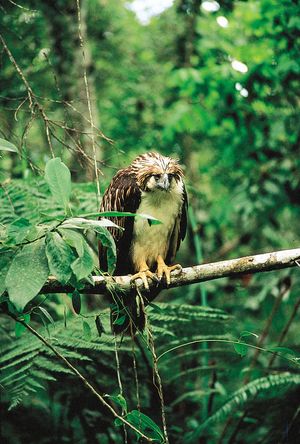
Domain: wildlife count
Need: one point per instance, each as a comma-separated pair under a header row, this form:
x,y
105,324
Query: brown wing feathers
x,y
124,195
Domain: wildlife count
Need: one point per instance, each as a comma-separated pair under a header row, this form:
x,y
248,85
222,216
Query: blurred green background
x,y
215,84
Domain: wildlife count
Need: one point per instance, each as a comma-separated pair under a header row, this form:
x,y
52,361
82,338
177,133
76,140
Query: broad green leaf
x,y
60,257
76,301
84,264
58,177
74,239
241,349
86,331
108,242
8,146
5,261
27,274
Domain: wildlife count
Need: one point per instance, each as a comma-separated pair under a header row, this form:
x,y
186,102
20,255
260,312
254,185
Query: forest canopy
x,y
86,86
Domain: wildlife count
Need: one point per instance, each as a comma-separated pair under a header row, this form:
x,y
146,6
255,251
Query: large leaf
x,y
84,264
144,424
58,177
60,257
7,146
27,274
18,230
5,261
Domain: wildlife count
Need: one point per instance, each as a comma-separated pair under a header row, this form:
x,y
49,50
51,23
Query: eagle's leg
x,y
143,274
163,269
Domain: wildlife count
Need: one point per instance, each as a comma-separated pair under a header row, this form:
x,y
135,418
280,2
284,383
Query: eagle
x,y
152,184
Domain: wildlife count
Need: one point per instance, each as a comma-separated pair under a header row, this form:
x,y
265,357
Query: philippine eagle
x,y
152,185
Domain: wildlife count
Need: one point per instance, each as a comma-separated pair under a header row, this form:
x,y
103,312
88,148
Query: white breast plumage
x,y
151,241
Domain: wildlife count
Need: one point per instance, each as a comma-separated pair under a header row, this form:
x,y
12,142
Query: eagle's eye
x,y
170,177
156,176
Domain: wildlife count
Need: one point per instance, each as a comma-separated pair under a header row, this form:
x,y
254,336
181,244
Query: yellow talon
x,y
163,269
143,275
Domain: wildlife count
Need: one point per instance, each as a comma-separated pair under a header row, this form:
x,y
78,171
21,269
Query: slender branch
x,y
199,273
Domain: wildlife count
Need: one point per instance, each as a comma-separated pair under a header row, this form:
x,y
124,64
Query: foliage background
x,y
171,85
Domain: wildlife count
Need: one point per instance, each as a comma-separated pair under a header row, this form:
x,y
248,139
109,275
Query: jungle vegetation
x,y
84,88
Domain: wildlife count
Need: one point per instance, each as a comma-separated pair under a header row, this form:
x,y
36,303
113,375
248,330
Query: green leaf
x,y
120,320
8,146
58,177
47,315
27,274
60,257
86,331
99,326
246,334
76,301
83,265
241,349
73,239
108,242
145,425
5,261
119,400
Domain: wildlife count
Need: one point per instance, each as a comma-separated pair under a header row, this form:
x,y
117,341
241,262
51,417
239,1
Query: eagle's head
x,y
155,172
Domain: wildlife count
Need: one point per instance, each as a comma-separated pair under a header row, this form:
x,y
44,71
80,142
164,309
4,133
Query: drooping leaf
x,y
145,425
86,331
76,301
108,242
241,349
58,177
119,400
60,257
83,265
27,273
8,146
99,325
47,315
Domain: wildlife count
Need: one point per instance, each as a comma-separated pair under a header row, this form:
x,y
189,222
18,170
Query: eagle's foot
x,y
143,275
163,269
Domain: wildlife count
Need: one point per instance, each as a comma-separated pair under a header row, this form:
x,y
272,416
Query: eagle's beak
x,y
164,183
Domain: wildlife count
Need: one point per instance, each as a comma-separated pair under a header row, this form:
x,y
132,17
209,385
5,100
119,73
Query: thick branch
x,y
190,275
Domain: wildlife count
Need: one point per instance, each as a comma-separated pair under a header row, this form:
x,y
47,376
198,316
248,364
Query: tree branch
x,y
199,273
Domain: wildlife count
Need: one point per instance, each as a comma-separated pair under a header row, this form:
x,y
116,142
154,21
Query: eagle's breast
x,y
149,242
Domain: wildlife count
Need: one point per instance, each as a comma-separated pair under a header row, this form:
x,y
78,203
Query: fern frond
x,y
245,394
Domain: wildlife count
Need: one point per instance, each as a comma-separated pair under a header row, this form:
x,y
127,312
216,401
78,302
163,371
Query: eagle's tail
x,y
128,314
